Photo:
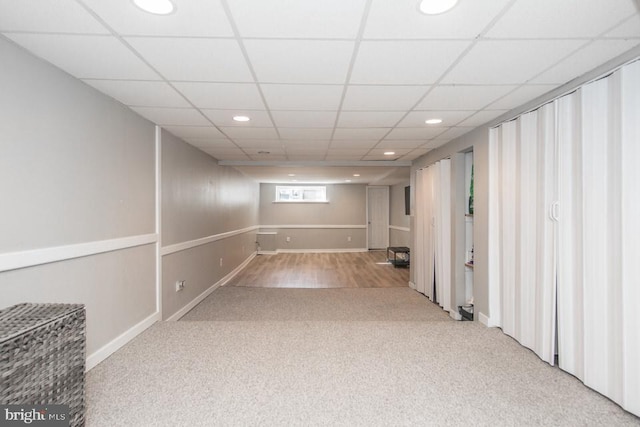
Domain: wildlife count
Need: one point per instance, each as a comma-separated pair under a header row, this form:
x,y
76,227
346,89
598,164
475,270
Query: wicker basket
x,y
42,356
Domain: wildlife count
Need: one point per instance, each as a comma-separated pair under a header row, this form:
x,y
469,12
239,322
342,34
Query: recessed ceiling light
x,y
435,7
292,174
241,118
294,180
347,180
389,153
433,121
356,174
157,7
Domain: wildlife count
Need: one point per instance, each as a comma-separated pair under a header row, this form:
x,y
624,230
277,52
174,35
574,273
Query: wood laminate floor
x,y
322,270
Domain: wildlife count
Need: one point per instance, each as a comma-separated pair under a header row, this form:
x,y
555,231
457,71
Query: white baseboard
x,y
320,251
267,252
485,320
114,345
184,310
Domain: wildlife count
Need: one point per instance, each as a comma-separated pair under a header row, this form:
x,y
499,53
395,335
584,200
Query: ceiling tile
x,y
402,20
318,119
509,61
172,116
232,96
435,143
258,143
226,153
627,29
449,118
404,62
382,98
299,61
402,143
262,151
348,151
91,57
415,133
250,133
378,154
60,16
203,18
521,96
586,59
455,132
382,149
210,143
357,119
482,117
361,133
212,60
225,118
355,143
462,97
297,19
301,157
302,97
188,132
306,144
309,151
561,19
141,94
306,133
415,154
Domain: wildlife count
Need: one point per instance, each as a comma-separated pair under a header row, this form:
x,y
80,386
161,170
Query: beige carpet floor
x,y
356,357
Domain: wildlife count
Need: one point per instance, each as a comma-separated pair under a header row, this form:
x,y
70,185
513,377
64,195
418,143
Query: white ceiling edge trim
x,y
572,85
385,163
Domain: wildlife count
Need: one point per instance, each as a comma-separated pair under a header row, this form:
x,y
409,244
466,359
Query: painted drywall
x,y
76,168
346,207
397,216
202,199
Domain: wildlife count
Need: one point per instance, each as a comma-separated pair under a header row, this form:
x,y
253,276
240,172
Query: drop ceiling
x,y
323,81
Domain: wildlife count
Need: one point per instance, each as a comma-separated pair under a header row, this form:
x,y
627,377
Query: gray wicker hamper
x,y
42,356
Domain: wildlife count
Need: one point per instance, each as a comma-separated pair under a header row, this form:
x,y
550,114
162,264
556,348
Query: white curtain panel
x,y
507,226
522,231
599,236
494,267
417,257
442,229
423,257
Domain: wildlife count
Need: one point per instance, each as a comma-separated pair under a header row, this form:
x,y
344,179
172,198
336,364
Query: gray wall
x,y
78,170
478,141
76,167
202,199
347,206
397,217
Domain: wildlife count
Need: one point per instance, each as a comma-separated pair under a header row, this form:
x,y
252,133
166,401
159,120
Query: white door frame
x,y
386,230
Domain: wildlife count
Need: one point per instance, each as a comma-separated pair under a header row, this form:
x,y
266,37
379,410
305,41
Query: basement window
x,y
301,194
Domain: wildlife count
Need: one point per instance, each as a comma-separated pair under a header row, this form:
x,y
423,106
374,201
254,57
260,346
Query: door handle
x,y
554,211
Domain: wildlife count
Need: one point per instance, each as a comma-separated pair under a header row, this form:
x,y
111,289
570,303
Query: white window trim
x,y
301,187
